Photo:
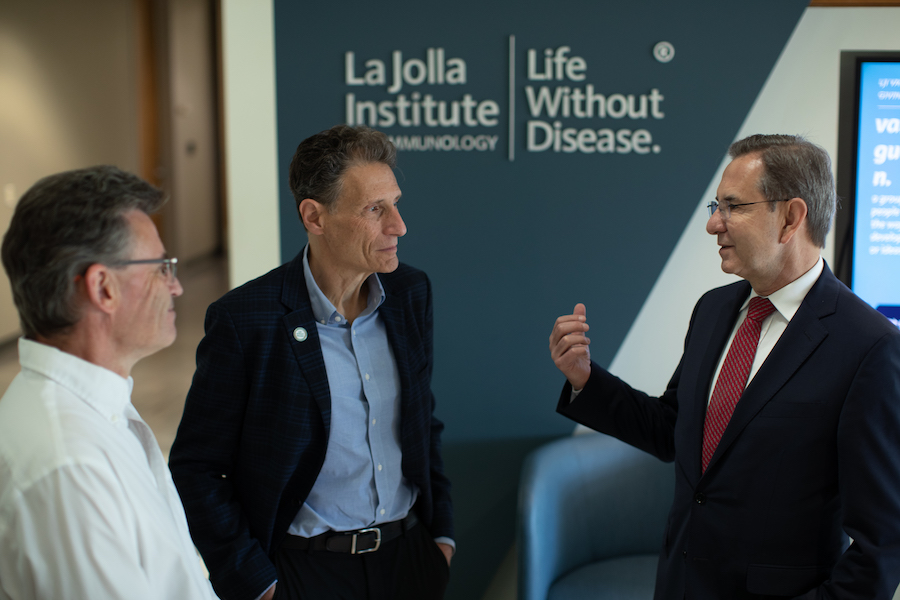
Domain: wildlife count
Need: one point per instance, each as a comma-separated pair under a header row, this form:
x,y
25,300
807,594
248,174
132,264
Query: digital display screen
x,y
876,231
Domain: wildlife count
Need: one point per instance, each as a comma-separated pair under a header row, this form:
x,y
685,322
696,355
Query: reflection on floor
x,y
161,381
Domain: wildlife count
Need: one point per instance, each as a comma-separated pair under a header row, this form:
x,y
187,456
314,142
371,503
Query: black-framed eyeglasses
x,y
726,207
169,265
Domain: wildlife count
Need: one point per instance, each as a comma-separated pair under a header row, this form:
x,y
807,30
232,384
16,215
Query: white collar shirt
x,y
787,302
87,504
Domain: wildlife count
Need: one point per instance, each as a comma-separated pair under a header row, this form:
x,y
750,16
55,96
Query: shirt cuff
x,y
448,541
266,590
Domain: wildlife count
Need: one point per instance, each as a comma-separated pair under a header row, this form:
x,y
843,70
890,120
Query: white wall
x,y
248,57
68,98
192,152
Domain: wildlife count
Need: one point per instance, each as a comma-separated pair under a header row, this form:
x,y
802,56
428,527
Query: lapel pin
x,y
300,334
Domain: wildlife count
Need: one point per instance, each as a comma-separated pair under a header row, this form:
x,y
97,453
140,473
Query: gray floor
x,y
161,381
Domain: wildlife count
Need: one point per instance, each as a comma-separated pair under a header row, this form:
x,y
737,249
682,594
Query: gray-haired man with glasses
x,y
87,505
783,416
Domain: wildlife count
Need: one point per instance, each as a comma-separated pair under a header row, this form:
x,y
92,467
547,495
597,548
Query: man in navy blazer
x,y
811,453
308,458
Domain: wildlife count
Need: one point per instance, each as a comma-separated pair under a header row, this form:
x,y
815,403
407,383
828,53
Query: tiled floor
x,y
161,381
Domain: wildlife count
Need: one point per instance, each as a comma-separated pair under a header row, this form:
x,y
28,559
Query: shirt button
x,y
379,467
114,418
367,376
373,421
338,318
382,512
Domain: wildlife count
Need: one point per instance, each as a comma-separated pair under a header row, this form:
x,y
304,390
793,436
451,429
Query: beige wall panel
x,y
69,98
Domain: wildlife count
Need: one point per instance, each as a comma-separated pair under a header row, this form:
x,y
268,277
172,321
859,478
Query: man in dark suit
x,y
772,476
308,458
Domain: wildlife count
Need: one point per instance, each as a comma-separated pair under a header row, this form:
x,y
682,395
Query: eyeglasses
x,y
169,265
726,207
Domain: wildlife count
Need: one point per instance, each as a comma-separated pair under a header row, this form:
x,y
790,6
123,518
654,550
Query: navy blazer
x,y
811,455
254,432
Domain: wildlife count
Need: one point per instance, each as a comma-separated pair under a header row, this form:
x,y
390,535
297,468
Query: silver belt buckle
x,y
376,531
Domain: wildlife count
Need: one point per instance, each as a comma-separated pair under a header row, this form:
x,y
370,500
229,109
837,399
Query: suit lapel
x,y
802,336
300,328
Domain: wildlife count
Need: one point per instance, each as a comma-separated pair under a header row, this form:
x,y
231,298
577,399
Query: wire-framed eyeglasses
x,y
726,206
169,266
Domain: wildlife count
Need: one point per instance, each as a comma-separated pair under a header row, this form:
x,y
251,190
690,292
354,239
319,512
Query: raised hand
x,y
569,347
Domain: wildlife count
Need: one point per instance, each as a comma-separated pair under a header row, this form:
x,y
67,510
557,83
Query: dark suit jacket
x,y
255,427
811,453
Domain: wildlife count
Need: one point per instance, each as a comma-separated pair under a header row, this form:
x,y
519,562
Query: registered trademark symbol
x,y
664,52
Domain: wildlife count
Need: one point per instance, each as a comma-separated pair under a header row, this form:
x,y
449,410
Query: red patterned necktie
x,y
733,376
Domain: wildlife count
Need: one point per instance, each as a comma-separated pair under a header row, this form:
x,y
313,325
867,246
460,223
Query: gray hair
x,y
318,167
61,226
795,168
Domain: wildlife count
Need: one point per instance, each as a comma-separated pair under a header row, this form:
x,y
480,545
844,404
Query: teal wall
x,y
512,237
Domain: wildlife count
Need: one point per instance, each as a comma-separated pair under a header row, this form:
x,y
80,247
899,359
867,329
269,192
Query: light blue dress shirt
x,y
361,483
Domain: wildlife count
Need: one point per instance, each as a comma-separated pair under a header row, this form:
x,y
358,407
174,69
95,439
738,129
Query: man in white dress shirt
x,y
87,505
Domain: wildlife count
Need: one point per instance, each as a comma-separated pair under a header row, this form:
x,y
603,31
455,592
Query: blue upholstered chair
x,y
592,514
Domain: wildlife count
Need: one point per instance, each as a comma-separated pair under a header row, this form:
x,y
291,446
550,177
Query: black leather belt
x,y
360,541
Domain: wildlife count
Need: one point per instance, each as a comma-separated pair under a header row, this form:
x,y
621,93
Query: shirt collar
x,y
323,310
788,299
104,391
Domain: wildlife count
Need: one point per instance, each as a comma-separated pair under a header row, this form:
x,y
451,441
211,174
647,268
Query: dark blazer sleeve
x,y
442,522
203,463
611,406
868,450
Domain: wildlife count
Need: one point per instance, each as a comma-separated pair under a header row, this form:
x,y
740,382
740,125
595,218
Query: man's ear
x,y
312,214
794,218
101,288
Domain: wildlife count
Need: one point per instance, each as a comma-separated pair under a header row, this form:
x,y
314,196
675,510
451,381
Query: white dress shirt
x,y
786,301
87,505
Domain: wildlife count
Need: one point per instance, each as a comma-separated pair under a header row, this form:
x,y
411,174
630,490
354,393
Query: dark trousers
x,y
410,567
